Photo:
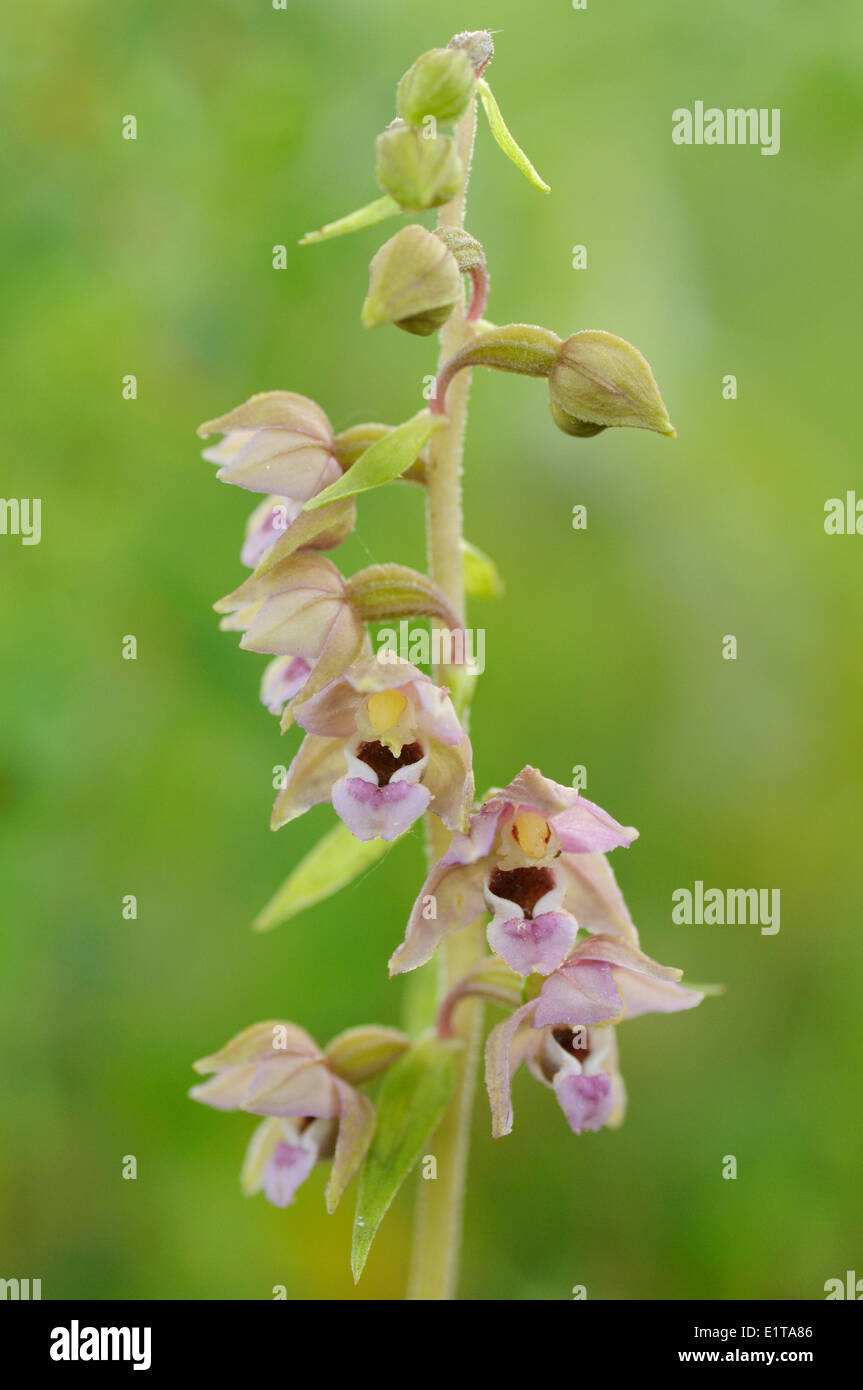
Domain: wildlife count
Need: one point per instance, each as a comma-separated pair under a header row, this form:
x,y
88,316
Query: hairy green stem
x,y
440,1201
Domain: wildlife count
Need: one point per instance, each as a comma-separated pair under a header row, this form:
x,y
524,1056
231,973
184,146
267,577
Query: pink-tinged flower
x,y
384,745
558,1032
277,1070
279,519
266,525
297,609
282,681
534,857
277,442
282,1154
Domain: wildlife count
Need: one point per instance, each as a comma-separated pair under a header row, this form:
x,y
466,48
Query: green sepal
x,y
357,221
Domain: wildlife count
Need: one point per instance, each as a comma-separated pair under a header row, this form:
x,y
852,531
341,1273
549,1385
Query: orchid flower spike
x,y
383,744
534,857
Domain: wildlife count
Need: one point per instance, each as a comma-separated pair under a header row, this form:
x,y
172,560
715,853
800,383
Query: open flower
x,y
533,857
313,1110
384,745
559,1031
581,1067
276,442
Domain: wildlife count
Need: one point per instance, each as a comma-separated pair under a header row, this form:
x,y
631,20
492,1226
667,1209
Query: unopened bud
x,y
360,1054
440,84
414,282
599,380
381,593
419,173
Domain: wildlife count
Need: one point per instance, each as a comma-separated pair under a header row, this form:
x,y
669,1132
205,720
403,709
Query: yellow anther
x,y
532,834
385,708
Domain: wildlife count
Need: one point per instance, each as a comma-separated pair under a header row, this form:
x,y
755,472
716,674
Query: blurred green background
x,y
153,777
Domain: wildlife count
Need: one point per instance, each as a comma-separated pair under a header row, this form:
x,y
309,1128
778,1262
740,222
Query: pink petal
x,y
642,995
286,1169
265,526
285,462
438,716
316,767
578,994
534,792
285,410
372,812
586,1101
332,710
292,1087
585,828
455,893
613,951
541,944
227,1089
593,897
296,622
502,1056
454,888
282,680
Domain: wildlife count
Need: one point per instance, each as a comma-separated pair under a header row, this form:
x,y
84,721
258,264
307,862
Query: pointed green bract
x,y
410,1105
384,461
335,861
504,138
368,216
481,576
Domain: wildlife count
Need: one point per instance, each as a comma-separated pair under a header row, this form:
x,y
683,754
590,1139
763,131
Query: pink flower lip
x,y
371,812
287,1168
533,945
586,1101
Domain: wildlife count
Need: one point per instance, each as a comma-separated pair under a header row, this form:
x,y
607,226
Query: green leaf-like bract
x,y
504,138
410,1105
355,221
335,861
384,461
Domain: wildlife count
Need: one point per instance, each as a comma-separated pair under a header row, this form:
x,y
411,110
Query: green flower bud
x,y
414,282
419,173
360,1054
599,380
439,84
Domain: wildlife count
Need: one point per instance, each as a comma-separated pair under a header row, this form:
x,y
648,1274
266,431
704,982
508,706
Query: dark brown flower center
x,y
383,762
523,886
566,1038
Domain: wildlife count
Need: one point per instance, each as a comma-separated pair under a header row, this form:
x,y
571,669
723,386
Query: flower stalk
x,y
440,1204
